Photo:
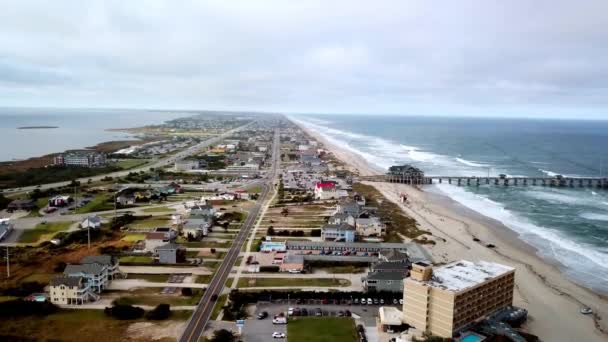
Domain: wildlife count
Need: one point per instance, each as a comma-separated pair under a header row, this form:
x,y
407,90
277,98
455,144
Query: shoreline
x,y
552,299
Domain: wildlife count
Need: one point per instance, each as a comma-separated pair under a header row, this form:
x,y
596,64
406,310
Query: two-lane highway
x,y
201,315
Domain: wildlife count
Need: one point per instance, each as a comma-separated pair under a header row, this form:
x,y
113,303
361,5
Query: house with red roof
x,y
325,191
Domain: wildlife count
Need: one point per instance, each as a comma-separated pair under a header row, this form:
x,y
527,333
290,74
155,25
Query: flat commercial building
x,y
446,299
415,251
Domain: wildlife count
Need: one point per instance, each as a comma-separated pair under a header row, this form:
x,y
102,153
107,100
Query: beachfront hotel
x,y
444,300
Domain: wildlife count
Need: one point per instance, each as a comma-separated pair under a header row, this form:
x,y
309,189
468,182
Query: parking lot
x,y
261,330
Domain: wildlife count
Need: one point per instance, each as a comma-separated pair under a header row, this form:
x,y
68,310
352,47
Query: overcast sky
x,y
505,58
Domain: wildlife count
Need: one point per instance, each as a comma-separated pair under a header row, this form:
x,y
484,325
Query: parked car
x,y
395,301
401,301
381,301
370,301
375,301
290,312
304,312
277,334
318,312
279,320
356,300
262,315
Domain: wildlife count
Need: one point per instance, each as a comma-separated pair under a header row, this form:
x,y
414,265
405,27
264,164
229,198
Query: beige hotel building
x,y
446,299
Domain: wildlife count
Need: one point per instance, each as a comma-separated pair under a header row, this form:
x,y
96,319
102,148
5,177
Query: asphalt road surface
x,y
200,317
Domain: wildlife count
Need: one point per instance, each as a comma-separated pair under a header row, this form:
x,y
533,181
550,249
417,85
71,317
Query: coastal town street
x,y
201,315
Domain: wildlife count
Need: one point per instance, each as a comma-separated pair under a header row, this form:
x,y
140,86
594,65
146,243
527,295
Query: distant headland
x,y
37,127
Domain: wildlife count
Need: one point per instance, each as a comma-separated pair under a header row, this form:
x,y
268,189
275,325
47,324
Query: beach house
x,y
70,291
340,232
371,226
325,191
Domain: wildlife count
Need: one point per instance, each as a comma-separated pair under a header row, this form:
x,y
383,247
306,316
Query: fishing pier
x,y
410,175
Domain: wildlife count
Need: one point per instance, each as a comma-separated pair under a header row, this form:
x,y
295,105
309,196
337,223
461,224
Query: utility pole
x,y
8,264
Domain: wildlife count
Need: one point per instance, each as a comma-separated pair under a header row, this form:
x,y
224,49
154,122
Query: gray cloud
x,y
416,57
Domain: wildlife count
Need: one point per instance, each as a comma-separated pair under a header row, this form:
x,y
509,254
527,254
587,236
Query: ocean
x,y
567,225
78,128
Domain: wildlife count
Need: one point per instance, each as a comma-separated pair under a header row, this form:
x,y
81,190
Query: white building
x,y
92,222
189,164
249,167
370,226
70,291
325,191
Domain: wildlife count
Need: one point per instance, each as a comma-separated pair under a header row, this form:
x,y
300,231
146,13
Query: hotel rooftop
x,y
461,275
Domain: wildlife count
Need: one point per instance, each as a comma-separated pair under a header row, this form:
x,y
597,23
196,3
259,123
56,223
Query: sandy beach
x,y
553,301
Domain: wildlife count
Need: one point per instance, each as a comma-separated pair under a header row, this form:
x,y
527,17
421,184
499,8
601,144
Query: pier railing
x,y
588,182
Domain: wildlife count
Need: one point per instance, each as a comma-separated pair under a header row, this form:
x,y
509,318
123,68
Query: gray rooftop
x,y
292,258
169,247
93,269
66,281
394,255
105,259
415,251
342,226
385,276
391,266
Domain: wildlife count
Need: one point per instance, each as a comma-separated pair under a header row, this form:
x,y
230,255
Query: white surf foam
x,y
594,216
550,243
471,163
549,173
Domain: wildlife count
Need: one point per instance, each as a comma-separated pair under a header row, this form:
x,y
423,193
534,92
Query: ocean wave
x,y
470,163
385,153
549,242
553,174
570,197
549,173
594,216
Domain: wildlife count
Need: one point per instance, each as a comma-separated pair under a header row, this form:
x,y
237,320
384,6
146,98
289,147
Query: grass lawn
x,y
100,202
277,282
344,269
255,189
154,278
40,203
130,163
39,277
152,296
213,265
136,258
133,237
158,210
221,301
151,222
43,232
203,279
73,325
326,329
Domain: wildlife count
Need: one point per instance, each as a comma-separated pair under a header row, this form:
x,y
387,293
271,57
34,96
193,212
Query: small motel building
x,y
444,301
